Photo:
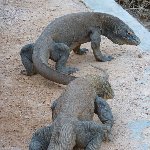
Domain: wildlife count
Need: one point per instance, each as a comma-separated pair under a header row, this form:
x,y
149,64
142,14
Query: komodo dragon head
x,y
120,33
103,87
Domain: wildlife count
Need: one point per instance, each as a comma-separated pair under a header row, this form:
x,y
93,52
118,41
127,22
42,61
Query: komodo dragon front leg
x,y
95,45
103,110
60,55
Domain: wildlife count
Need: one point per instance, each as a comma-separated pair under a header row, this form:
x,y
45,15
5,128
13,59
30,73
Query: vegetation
x,y
139,9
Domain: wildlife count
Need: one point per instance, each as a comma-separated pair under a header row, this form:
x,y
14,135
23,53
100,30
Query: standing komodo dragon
x,y
67,33
73,126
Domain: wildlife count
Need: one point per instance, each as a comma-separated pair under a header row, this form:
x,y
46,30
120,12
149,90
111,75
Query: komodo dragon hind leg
x,y
41,138
80,51
26,58
89,135
95,45
64,52
104,113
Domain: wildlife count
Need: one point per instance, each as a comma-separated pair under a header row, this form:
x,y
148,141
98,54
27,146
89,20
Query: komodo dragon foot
x,y
26,57
104,58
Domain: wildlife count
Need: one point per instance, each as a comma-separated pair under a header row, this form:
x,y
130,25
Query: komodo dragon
x,y
73,127
67,33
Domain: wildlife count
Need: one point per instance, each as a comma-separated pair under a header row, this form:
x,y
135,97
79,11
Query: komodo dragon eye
x,y
129,33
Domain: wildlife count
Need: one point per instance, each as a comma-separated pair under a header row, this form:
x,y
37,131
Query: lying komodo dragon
x,y
73,126
67,33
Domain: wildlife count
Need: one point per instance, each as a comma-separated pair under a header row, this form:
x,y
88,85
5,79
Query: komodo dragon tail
x,y
48,73
34,63
63,137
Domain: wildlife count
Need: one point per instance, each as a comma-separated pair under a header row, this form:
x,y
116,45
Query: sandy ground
x,y
25,101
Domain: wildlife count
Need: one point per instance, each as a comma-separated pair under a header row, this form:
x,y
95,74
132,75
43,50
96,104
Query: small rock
x,y
139,55
135,79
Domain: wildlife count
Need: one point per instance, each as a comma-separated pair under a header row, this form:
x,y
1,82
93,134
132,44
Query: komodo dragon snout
x,y
129,37
120,33
106,91
103,87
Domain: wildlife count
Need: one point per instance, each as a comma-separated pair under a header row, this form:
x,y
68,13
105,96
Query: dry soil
x,y
25,101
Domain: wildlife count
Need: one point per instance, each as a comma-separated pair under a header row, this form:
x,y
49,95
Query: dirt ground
x,y
25,101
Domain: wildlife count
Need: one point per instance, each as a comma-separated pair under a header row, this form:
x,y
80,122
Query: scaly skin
x,y
67,33
73,127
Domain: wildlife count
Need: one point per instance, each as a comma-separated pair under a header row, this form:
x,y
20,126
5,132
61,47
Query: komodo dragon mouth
x,y
126,36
